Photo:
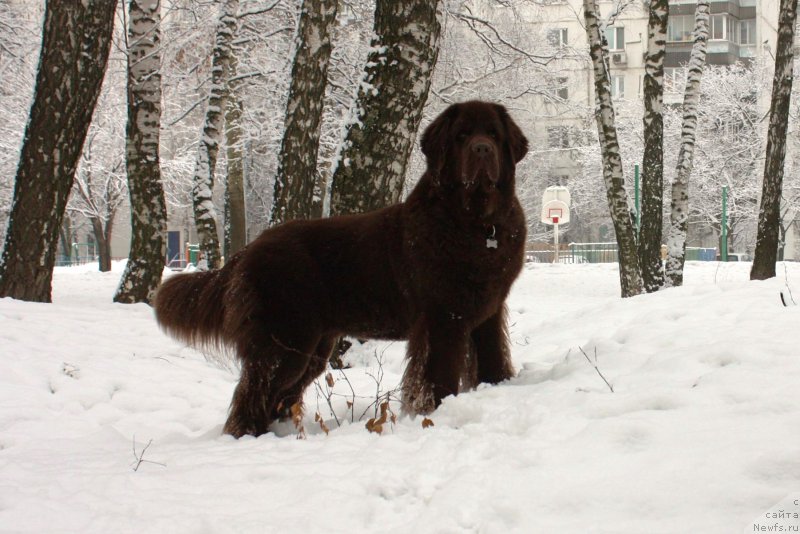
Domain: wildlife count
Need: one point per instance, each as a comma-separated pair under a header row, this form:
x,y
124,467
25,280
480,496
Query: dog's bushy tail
x,y
191,307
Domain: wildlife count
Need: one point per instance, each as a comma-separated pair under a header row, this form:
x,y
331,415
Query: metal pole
x,y
723,249
555,241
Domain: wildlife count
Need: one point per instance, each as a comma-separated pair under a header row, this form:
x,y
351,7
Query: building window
x,y
615,35
680,28
618,87
747,32
723,27
557,137
557,37
674,79
561,88
717,30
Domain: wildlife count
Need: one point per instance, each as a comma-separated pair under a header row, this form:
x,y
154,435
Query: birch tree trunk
x,y
679,205
769,215
235,207
630,274
204,213
297,163
75,46
148,205
384,119
650,233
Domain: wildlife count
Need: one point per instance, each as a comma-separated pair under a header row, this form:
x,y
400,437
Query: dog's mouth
x,y
486,178
480,193
481,178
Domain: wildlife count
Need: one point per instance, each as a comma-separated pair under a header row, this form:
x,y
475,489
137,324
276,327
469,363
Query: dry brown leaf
x,y
297,419
426,423
374,425
322,425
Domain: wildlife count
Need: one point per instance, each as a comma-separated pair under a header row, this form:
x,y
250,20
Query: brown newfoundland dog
x,y
435,270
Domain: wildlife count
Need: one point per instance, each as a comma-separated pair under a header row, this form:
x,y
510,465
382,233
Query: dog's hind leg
x,y
316,366
492,351
269,367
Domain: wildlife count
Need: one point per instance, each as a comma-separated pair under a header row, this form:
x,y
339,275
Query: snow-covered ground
x,y
701,432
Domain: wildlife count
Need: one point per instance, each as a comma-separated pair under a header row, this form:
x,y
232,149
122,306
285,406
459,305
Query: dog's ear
x,y
434,140
516,139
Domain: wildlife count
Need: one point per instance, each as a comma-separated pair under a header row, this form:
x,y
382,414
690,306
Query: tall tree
x,y
148,205
679,205
630,274
98,197
235,202
100,186
653,155
204,213
235,205
297,162
388,109
75,47
769,215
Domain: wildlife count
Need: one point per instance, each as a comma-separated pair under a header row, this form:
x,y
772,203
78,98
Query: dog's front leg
x,y
437,352
492,351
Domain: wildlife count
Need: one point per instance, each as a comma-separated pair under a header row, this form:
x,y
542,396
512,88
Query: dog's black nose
x,y
482,149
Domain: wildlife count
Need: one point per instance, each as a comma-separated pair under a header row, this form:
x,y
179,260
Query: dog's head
x,y
474,147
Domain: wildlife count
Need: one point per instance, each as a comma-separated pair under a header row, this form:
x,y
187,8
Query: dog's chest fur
x,y
464,266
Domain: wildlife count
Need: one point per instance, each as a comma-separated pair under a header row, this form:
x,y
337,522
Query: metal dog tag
x,y
491,242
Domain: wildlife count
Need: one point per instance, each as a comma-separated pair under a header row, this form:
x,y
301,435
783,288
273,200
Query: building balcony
x,y
720,52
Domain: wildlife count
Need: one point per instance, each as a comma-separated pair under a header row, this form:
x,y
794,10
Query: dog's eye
x,y
462,136
492,134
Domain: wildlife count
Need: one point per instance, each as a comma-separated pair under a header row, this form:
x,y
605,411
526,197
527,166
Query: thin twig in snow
x,y
595,366
139,458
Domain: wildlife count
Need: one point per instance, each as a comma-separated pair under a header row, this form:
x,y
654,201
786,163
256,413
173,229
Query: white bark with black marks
x,y
653,158
679,206
370,170
630,274
205,218
148,204
297,163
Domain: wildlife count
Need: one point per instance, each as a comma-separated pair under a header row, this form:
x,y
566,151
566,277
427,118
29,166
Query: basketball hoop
x,y
555,211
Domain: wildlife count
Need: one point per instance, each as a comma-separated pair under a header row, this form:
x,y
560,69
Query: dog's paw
x,y
419,402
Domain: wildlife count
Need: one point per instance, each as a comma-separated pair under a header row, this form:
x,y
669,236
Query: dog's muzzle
x,y
484,168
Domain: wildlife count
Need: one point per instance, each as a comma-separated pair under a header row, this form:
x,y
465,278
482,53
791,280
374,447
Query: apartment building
x,y
739,31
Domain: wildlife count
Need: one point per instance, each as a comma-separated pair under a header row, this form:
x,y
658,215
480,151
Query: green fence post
x,y
723,249
194,253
